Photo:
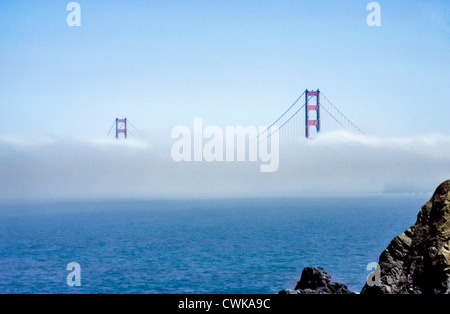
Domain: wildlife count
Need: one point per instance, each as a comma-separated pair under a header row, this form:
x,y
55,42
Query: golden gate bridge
x,y
288,122
313,106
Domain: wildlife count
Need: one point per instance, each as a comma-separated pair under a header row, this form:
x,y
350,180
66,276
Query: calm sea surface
x,y
202,246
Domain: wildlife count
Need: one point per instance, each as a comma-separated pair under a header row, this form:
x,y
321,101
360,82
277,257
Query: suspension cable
x,y
282,115
348,120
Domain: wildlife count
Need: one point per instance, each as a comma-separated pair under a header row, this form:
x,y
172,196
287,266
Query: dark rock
x,y
418,260
315,280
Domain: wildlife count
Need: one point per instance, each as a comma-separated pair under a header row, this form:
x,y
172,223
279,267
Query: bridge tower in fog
x,y
124,126
121,127
313,108
310,118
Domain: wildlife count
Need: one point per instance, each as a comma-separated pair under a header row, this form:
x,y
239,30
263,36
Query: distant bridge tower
x,y
121,127
310,121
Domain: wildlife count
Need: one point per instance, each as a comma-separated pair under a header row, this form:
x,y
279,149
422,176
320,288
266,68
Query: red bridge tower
x,y
310,121
121,127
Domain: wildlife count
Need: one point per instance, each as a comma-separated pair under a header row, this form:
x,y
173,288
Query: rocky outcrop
x,y
418,260
315,280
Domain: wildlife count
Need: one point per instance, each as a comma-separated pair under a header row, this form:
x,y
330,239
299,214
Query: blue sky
x,y
230,62
163,63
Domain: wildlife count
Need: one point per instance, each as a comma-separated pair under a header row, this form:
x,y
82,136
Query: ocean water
x,y
198,246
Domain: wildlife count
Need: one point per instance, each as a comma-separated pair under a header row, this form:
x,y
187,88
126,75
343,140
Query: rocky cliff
x,y
418,260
